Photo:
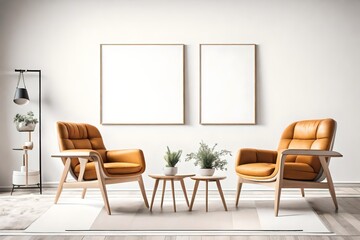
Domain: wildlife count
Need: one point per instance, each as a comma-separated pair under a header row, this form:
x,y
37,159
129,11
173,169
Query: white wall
x,y
308,59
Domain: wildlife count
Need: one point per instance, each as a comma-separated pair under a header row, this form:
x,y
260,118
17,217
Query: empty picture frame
x,y
142,84
227,84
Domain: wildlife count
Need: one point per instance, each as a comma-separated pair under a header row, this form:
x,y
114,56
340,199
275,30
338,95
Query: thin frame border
x,y
139,44
200,70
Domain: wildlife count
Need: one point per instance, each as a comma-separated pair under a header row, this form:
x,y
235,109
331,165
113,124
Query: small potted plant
x,y
25,123
171,159
208,159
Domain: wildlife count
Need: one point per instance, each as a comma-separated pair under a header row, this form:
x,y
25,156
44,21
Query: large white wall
x,y
308,66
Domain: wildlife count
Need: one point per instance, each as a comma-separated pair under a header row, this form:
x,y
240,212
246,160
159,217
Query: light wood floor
x,y
345,223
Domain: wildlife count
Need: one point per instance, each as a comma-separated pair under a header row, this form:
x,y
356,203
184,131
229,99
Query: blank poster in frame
x,y
142,84
227,84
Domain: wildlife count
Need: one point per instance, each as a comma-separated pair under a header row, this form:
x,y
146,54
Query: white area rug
x,y
18,212
129,216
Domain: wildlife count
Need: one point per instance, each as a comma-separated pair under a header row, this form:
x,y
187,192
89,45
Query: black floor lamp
x,y
22,97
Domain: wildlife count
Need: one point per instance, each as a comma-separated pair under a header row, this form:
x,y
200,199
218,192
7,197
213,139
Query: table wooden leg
x,y
173,194
184,190
163,192
221,193
154,193
194,194
206,195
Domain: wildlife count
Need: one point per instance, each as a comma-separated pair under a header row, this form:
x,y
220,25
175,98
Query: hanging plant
x,y
25,122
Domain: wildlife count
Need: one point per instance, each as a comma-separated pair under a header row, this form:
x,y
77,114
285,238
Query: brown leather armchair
x,y
86,158
301,160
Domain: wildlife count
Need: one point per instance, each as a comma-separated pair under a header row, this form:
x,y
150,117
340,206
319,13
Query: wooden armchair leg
x,y
329,181
83,162
302,192
104,196
83,193
62,180
277,197
333,195
238,190
102,187
143,192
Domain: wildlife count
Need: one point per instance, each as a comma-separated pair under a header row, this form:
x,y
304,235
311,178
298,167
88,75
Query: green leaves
x,y
172,158
28,118
207,157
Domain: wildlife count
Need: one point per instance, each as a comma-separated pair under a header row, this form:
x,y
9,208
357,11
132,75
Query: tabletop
x,y
208,178
177,176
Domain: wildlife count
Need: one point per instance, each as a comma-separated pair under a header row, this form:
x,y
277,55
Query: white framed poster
x,y
227,84
142,84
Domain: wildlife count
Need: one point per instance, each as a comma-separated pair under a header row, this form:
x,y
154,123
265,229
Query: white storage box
x,y
19,177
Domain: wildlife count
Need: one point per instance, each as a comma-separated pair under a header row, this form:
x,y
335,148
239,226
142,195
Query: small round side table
x,y
177,177
207,179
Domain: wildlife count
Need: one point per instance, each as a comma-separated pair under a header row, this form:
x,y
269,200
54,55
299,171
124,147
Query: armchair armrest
x,y
322,154
83,156
129,155
311,152
78,153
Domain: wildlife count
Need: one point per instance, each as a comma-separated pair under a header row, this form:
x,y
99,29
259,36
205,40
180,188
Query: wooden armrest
x,y
311,152
322,154
76,154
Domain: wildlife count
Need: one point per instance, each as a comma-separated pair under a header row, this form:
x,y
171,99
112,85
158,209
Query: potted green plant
x,y
208,159
25,123
171,159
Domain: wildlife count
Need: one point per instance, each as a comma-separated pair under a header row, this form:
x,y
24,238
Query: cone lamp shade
x,y
21,96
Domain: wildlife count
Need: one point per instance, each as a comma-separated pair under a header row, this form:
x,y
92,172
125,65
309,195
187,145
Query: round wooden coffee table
x,y
172,179
207,179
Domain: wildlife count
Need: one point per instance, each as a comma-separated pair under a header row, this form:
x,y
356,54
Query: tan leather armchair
x,y
301,160
84,155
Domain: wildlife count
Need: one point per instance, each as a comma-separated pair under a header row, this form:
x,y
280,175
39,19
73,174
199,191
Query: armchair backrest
x,y
80,136
309,134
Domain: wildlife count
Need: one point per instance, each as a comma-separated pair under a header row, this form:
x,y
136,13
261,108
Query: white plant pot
x,y
22,127
170,171
206,171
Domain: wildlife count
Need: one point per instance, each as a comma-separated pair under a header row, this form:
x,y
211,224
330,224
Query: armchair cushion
x,y
256,169
251,155
299,171
73,136
293,171
128,155
110,168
